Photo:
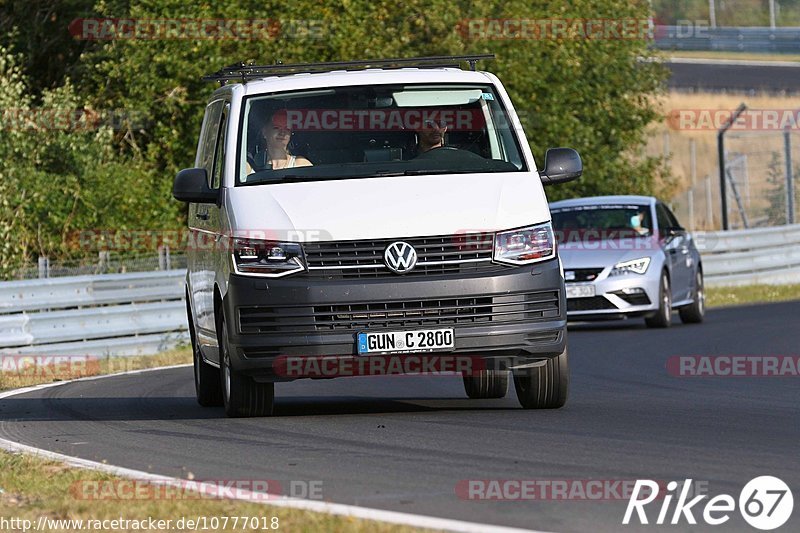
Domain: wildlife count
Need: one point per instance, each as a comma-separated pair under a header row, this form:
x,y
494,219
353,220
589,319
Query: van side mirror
x,y
191,185
560,166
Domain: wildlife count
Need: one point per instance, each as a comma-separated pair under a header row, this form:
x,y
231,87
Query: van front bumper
x,y
514,314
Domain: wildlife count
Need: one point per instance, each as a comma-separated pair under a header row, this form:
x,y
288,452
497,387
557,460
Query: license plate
x,y
421,340
580,291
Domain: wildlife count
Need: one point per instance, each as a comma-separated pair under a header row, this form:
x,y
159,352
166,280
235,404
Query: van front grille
x,y
401,314
443,255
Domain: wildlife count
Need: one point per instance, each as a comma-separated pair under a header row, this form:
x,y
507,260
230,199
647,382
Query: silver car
x,y
627,256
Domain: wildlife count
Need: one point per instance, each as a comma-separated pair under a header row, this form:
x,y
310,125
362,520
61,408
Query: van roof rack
x,y
243,72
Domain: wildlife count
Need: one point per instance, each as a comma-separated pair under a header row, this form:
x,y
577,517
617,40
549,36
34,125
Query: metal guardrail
x,y
768,256
142,313
730,39
110,314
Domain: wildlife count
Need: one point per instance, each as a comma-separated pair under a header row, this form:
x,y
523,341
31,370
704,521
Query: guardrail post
x,y
44,267
787,146
103,259
709,204
164,259
722,170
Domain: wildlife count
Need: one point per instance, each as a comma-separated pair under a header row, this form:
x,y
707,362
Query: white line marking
x,y
732,62
212,490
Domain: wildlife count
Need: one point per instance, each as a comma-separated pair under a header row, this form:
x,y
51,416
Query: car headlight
x,y
267,258
634,266
525,245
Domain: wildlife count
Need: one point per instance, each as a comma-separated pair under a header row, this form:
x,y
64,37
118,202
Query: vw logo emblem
x,y
400,257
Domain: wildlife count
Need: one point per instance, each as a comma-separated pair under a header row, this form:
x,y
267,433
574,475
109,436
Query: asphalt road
x,y
716,76
404,443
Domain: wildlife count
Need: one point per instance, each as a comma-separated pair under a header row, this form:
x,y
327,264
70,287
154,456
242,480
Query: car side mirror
x,y
560,166
191,185
675,230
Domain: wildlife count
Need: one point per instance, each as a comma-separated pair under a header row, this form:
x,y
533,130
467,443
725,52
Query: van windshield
x,y
376,131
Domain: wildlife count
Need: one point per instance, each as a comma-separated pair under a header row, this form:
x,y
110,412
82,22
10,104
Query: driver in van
x,y
430,135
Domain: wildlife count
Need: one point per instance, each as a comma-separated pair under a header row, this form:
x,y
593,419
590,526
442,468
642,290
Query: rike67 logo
x,y
765,503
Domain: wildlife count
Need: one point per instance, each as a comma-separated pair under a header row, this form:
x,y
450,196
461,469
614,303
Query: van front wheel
x,y
544,387
486,384
242,395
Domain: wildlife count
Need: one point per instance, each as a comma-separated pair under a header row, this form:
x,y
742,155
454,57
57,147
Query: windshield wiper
x,y
419,172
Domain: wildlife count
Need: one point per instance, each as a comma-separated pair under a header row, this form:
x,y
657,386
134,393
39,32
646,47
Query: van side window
x,y
208,136
219,153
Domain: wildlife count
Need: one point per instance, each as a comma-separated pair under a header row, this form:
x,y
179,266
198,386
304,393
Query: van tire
x,y
546,386
207,384
486,384
241,394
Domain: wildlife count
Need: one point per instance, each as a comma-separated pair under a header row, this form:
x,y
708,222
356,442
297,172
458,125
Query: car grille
x,y
401,314
583,274
450,254
596,303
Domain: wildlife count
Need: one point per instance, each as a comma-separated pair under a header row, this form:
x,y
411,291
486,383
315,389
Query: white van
x,y
371,213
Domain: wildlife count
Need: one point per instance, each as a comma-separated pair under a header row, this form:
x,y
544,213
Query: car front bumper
x,y
514,314
626,295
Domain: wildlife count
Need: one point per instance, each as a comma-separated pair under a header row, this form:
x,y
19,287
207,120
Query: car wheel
x,y
241,394
544,387
207,384
663,317
486,384
694,313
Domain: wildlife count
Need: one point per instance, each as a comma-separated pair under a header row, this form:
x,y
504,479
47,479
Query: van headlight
x,y
267,258
634,266
525,245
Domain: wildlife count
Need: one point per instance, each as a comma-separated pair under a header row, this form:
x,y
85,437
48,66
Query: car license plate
x,y
580,291
422,340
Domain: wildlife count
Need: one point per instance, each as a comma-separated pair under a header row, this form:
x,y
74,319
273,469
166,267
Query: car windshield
x,y
601,222
375,131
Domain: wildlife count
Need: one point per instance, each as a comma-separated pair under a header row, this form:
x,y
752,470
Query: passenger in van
x,y
275,137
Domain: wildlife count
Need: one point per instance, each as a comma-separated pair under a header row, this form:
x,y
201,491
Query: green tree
x,y
593,94
62,173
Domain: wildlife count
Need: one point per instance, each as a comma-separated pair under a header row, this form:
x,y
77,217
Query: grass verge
x,y
34,488
24,371
751,294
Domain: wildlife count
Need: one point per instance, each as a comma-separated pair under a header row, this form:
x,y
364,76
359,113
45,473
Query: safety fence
x,y
144,312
